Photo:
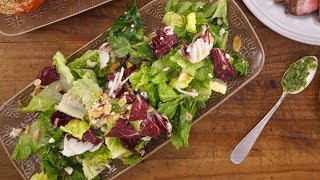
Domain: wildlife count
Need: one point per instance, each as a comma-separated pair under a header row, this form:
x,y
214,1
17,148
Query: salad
x,y
111,102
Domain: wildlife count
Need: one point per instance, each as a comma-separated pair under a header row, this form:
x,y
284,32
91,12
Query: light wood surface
x,y
289,147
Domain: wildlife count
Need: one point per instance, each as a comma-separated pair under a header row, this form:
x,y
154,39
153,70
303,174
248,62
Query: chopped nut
x,y
104,98
236,43
19,102
188,116
26,131
122,101
107,108
37,82
36,90
35,135
95,112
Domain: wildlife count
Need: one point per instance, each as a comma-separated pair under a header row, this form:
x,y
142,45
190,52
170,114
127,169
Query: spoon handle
x,y
245,145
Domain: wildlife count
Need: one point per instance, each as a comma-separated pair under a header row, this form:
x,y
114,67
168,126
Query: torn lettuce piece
x,y
80,73
173,19
80,97
239,64
45,99
82,62
39,176
221,11
35,137
141,77
187,66
95,162
59,61
76,128
116,148
191,23
181,82
166,93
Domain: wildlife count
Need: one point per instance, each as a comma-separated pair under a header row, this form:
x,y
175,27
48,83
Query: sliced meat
x,y
300,7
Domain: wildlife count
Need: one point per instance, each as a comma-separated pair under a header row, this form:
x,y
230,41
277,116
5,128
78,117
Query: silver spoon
x,y
242,149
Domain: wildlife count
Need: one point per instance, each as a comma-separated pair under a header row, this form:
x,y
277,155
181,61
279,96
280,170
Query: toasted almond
x,y
19,102
183,77
236,43
36,90
188,116
37,82
95,112
35,135
122,101
107,108
26,131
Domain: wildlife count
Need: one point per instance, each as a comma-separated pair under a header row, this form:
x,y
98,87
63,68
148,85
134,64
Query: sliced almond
x,y
36,90
37,82
122,101
26,131
95,112
107,108
35,135
236,43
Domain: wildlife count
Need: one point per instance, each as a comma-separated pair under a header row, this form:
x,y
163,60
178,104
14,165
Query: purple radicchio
x,y
60,119
139,109
222,67
48,75
164,41
90,136
130,144
123,129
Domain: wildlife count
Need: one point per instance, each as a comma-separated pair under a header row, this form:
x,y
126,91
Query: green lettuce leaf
x,y
173,19
82,62
60,63
240,64
166,93
39,176
95,162
141,77
80,97
80,73
76,128
116,148
186,66
27,145
45,99
131,160
191,23
169,108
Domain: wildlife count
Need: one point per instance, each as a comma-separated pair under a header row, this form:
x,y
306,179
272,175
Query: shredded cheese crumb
x,y
51,140
68,170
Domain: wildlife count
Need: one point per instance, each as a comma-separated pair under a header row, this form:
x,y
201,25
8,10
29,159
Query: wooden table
x,y
289,146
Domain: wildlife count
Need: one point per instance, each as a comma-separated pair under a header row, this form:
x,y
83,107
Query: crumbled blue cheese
x,y
68,170
222,31
91,64
15,132
51,140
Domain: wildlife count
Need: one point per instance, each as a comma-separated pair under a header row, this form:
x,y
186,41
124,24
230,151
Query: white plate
x,y
305,29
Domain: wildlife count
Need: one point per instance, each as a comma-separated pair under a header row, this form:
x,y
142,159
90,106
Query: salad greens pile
x,y
112,101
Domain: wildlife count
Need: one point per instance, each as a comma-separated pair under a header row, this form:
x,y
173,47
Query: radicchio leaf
x,y
161,121
60,119
164,41
130,144
150,128
90,136
222,67
48,75
123,129
139,109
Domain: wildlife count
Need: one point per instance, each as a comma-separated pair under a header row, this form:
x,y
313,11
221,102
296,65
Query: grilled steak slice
x,y
300,7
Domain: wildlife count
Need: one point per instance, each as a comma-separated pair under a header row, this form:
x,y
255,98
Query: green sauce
x,y
295,77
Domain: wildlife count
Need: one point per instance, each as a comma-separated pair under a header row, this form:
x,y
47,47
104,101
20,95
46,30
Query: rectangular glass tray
x,y
151,15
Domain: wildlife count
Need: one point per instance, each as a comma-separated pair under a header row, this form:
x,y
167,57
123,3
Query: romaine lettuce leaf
x,y
82,62
187,66
166,93
80,97
116,148
60,63
39,176
80,73
37,136
141,77
191,23
95,162
45,99
173,19
169,108
76,128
